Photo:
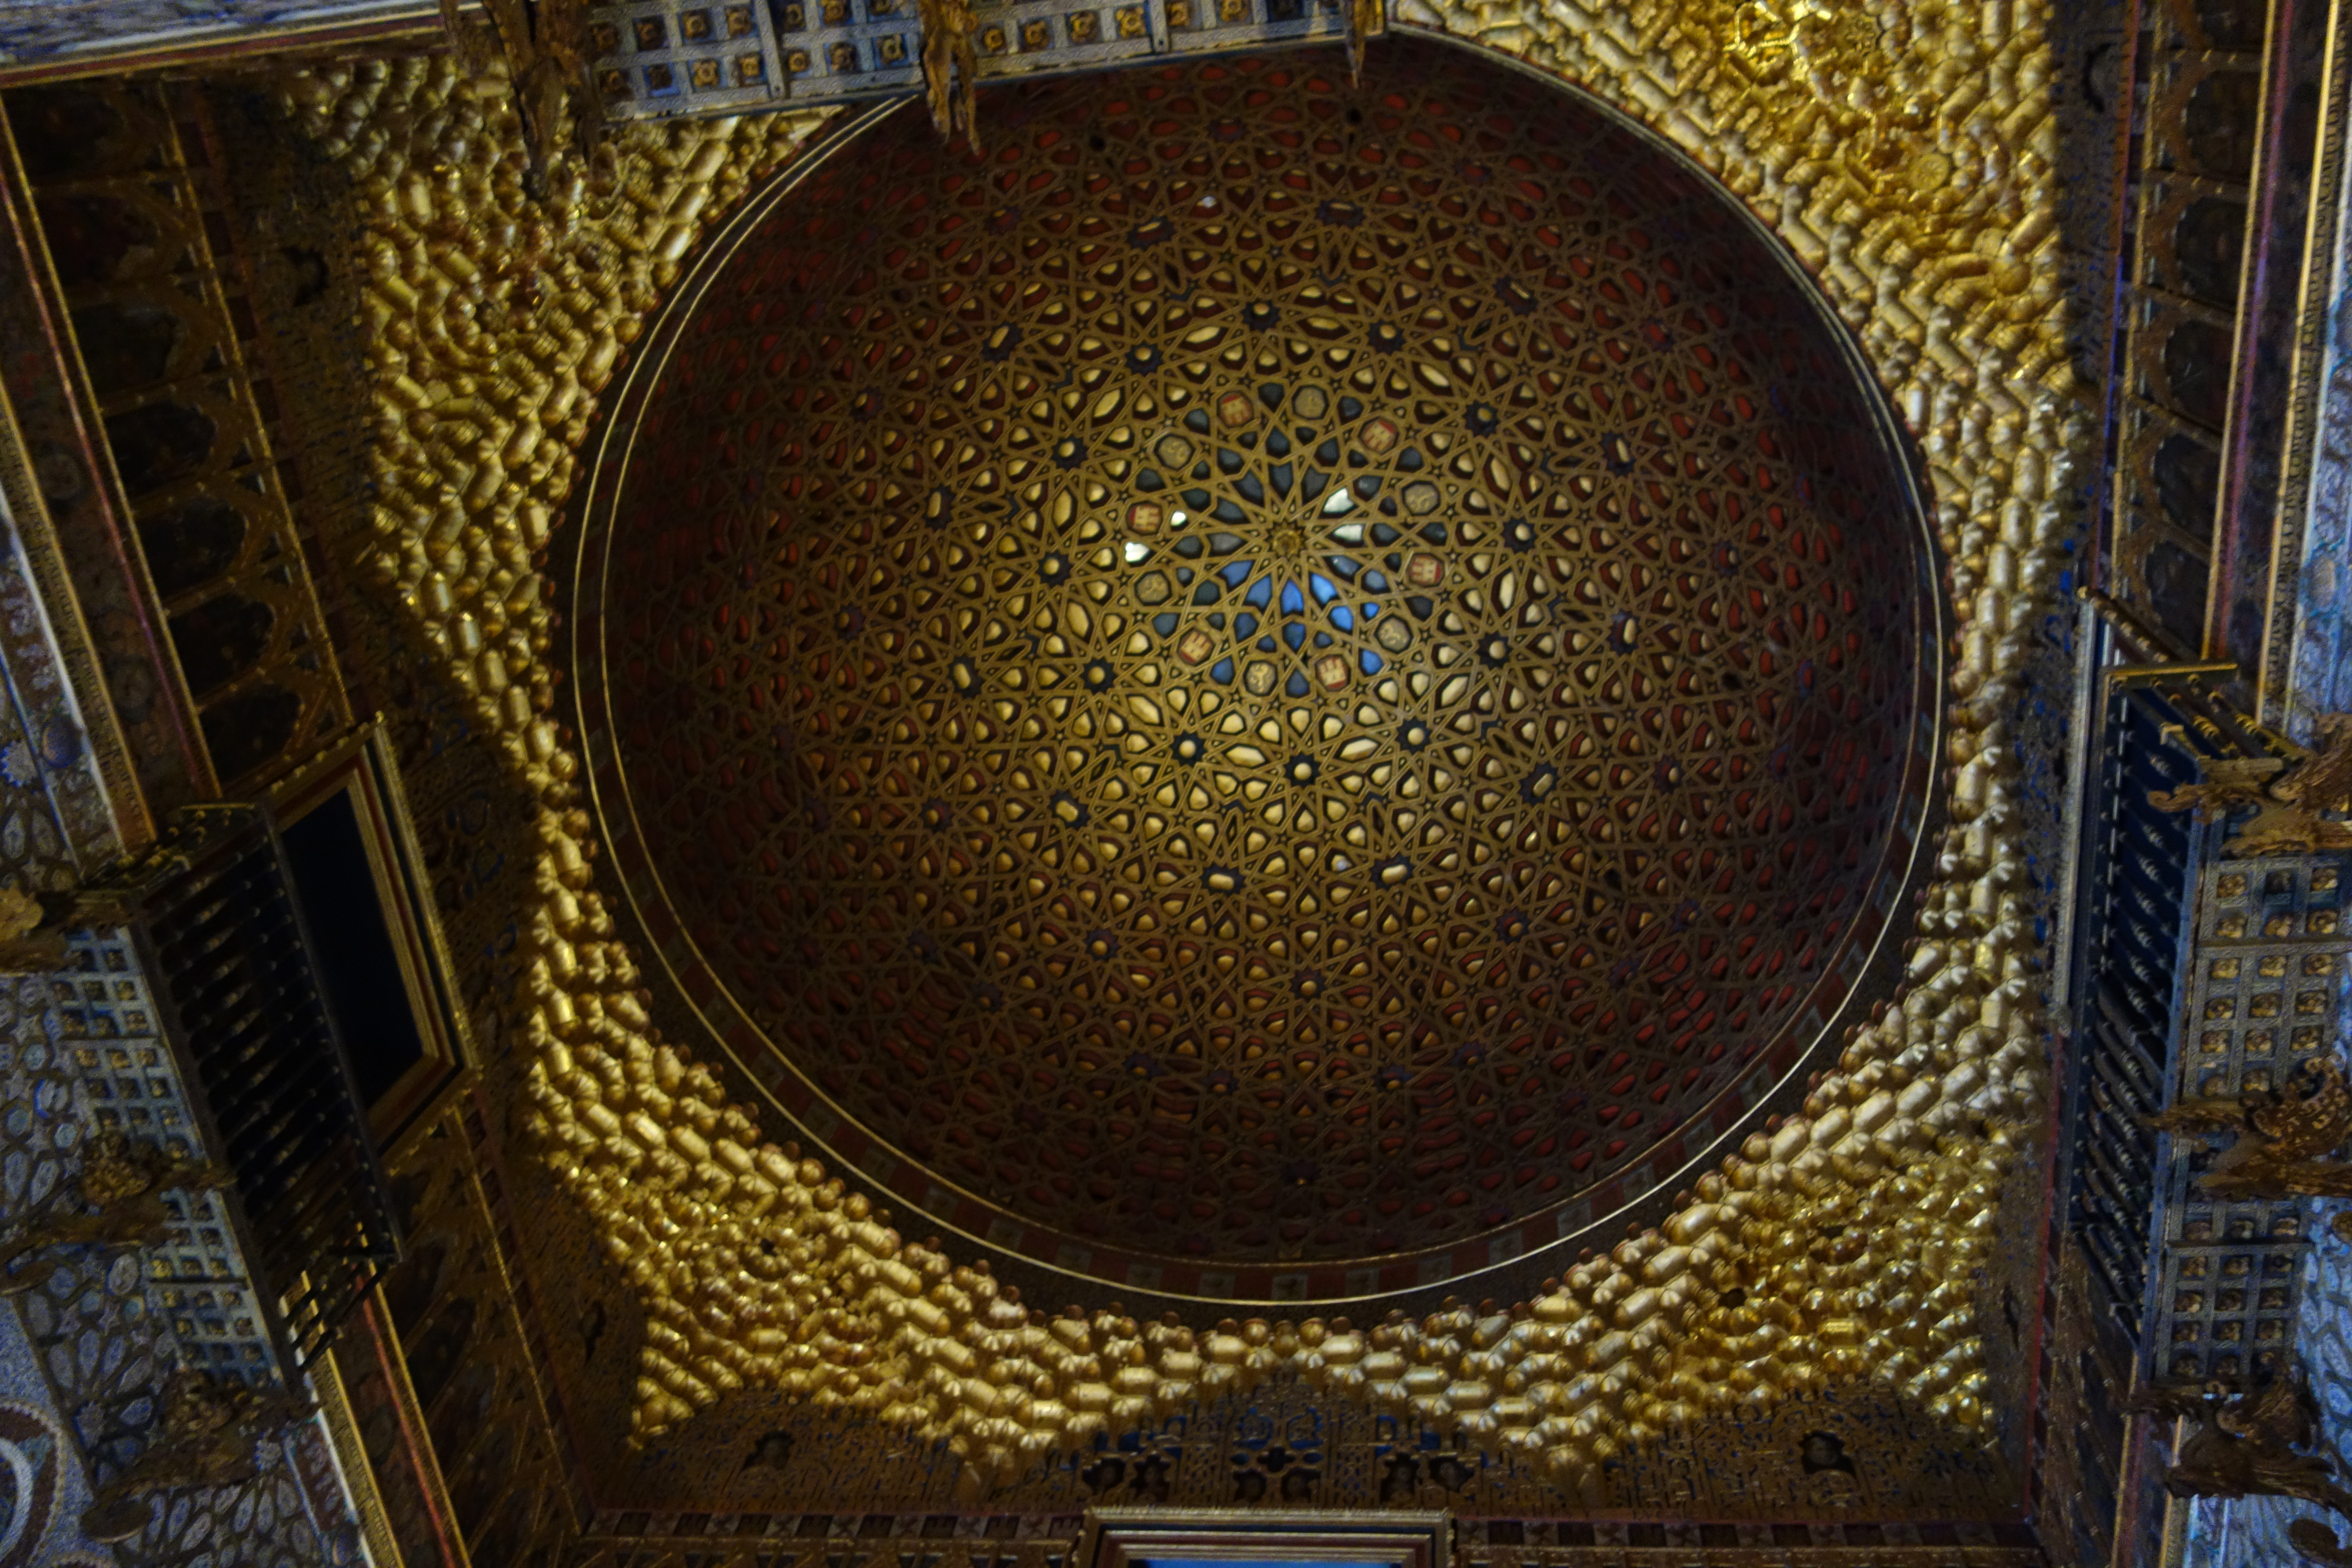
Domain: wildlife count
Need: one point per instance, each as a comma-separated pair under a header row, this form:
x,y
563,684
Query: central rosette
x,y
1271,536
1279,680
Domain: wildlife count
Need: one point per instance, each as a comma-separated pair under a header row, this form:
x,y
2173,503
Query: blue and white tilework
x,y
57,820
46,1488
2320,671
85,1355
43,31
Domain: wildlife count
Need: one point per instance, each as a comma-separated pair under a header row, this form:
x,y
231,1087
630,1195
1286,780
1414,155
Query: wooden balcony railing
x,y
221,934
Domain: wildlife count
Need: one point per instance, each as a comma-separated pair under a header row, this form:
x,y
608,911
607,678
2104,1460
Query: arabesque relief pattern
x,y
1906,151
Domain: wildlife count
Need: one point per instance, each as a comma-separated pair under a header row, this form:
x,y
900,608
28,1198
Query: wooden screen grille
x,y
227,941
2140,875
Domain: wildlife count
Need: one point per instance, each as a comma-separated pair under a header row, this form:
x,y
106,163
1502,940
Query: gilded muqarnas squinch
x,y
1905,153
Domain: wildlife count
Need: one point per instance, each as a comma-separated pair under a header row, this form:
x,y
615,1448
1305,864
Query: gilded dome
x,y
1269,687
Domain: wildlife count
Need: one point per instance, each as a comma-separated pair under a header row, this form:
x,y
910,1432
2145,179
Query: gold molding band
x,y
1905,153
350,1459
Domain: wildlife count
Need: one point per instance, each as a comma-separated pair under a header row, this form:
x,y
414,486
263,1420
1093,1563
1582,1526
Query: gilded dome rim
x,y
1866,961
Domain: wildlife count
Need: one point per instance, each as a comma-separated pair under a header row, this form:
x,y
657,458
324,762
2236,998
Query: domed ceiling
x,y
1270,687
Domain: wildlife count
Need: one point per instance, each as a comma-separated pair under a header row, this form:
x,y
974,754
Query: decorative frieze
x,y
664,59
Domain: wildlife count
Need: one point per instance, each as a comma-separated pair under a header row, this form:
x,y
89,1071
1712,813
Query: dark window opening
x,y
358,963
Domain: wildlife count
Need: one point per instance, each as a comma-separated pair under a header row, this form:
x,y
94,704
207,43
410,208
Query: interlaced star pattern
x,y
1268,670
